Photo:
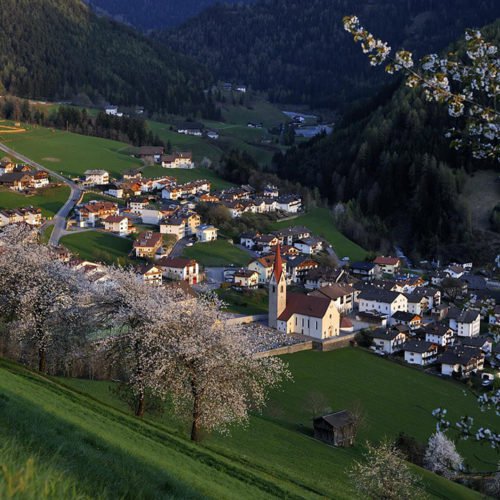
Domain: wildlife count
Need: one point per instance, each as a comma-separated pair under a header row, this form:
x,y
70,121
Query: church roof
x,y
278,264
307,305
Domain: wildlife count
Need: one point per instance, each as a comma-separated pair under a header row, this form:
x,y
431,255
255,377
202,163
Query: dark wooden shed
x,y
337,429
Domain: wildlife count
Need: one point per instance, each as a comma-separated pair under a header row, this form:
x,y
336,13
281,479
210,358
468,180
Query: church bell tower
x,y
277,290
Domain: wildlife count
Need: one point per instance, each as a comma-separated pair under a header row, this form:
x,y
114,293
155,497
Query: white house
x,y
388,265
180,269
420,353
117,224
114,190
175,226
382,301
468,323
206,233
151,274
461,361
290,203
341,294
439,334
264,268
388,341
96,177
309,246
178,160
245,278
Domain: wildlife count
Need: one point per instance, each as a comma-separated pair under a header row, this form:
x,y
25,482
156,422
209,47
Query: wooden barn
x,y
337,429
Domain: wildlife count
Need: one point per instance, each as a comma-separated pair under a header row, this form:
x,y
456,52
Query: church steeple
x,y
277,289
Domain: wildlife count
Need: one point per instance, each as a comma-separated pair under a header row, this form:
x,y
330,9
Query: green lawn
x,y
320,222
188,175
217,254
394,398
97,246
69,153
94,196
46,234
49,199
247,302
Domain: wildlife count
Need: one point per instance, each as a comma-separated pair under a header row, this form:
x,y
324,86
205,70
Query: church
x,y
315,317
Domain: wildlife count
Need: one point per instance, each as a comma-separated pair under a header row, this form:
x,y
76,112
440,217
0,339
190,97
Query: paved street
x,y
59,220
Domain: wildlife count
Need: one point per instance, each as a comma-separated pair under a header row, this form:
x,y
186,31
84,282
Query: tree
x,y
384,474
209,369
468,87
442,457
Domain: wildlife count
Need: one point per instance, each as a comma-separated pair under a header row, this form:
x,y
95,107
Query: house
x,y
336,429
298,267
178,160
484,343
40,179
118,224
212,134
341,294
96,177
151,154
418,352
455,271
408,319
95,211
112,111
440,334
114,190
136,205
382,301
365,270
460,361
18,181
271,191
191,128
27,215
264,267
175,225
290,203
180,269
324,276
153,214
6,167
151,274
309,246
388,341
468,323
290,235
147,244
315,317
388,265
245,278
206,233
417,303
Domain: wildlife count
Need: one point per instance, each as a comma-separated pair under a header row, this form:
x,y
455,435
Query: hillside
x,y
299,51
57,49
82,440
153,14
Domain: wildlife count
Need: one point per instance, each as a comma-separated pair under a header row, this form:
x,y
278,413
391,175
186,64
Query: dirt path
x,y
482,192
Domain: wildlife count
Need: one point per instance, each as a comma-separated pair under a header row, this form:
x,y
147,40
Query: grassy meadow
x,y
71,154
320,222
217,254
187,175
98,246
49,199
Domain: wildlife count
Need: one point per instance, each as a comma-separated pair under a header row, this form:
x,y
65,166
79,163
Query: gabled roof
x,y
405,316
386,261
175,262
468,316
337,420
333,292
363,266
419,346
316,307
382,333
459,355
379,295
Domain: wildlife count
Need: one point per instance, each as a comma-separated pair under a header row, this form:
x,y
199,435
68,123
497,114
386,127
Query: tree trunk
x,y
42,360
139,412
195,427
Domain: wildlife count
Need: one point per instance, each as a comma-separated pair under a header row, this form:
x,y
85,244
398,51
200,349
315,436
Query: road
x,y
75,194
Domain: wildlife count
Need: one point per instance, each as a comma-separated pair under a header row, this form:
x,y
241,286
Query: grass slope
x,y
99,247
187,175
69,153
217,253
102,452
394,398
50,199
320,222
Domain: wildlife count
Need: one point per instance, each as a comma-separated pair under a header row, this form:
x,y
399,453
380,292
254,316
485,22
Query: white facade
x,y
206,233
421,359
93,177
387,308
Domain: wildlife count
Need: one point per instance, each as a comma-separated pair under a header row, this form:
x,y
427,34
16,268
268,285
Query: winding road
x,y
59,220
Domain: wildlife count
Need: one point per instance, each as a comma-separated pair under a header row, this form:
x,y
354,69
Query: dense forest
x,y
153,14
57,49
394,170
299,52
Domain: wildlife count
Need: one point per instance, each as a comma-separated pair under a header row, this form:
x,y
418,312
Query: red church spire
x,y
278,264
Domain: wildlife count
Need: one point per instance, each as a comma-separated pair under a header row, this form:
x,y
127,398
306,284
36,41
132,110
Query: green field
x,y
217,253
188,175
247,302
320,222
71,154
97,246
104,197
49,199
46,234
394,398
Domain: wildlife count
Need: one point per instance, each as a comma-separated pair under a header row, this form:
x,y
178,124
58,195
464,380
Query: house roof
x,y
150,150
333,292
468,316
460,355
379,295
114,219
148,240
296,303
337,420
383,333
438,329
362,266
175,262
405,316
476,341
419,346
386,261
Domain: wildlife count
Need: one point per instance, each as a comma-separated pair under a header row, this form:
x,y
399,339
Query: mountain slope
x,y
299,51
154,14
55,49
392,160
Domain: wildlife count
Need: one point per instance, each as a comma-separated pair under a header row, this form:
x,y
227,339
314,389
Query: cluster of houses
x,y
26,215
19,177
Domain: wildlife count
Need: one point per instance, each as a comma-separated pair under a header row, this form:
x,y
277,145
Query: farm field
x,y
49,199
217,253
187,175
70,154
320,222
394,398
98,246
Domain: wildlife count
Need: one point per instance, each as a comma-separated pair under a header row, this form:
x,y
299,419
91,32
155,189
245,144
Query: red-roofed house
x,y
179,268
118,224
147,244
388,265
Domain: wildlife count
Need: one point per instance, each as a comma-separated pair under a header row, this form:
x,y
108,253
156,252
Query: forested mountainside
x,y
154,14
299,51
55,49
392,162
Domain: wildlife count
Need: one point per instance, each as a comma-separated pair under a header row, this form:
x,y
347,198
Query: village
x,y
443,320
